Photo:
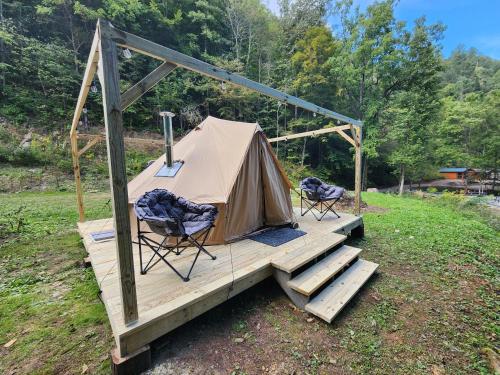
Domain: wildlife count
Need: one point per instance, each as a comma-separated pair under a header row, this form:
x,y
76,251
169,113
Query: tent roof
x,y
213,154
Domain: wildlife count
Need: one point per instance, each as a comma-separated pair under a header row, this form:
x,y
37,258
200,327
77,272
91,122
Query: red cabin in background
x,y
456,173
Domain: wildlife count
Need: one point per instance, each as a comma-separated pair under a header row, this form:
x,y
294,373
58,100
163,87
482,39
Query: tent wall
x,y
245,211
276,187
261,192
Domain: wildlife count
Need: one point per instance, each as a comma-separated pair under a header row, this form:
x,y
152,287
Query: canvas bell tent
x,y
228,164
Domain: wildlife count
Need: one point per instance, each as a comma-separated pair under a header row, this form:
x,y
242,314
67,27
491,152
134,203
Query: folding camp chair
x,y
319,197
181,223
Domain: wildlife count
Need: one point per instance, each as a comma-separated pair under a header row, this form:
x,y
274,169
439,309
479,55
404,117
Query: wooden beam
x,y
128,140
311,133
90,70
347,138
357,173
89,144
146,84
159,52
108,72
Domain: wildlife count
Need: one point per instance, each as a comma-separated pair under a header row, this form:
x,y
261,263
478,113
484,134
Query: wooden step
x,y
332,300
298,257
313,278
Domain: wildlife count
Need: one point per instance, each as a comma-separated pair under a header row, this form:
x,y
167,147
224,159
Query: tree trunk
x,y
260,62
494,175
303,152
364,176
2,48
401,180
249,49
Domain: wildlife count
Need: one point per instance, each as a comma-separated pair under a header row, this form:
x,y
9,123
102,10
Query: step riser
x,y
327,282
318,259
298,299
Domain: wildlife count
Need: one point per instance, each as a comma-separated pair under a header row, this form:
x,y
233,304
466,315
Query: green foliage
x,y
49,304
372,67
469,133
434,295
442,246
31,216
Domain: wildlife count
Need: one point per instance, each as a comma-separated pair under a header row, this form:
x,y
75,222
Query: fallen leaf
x,y
239,340
258,326
310,320
85,368
10,343
437,370
493,359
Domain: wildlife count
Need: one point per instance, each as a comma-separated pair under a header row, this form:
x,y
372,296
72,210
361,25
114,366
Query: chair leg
x,y
301,199
156,252
324,208
140,245
201,247
180,245
194,241
329,208
310,206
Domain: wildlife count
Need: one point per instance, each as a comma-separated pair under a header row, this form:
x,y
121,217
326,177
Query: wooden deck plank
x,y
314,277
165,301
300,256
333,299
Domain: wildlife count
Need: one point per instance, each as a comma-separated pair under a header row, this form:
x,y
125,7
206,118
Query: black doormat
x,y
278,236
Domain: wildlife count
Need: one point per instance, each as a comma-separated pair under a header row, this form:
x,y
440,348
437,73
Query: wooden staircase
x,y
322,276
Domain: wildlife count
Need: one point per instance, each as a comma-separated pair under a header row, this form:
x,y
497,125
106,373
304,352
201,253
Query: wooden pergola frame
x,y
103,60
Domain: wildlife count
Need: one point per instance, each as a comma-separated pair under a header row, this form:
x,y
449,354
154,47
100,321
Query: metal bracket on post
x,y
171,167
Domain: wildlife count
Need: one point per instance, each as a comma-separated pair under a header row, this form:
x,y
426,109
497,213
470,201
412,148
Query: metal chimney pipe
x,y
169,137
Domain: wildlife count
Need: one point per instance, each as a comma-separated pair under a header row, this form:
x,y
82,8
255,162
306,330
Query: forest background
x,y
421,111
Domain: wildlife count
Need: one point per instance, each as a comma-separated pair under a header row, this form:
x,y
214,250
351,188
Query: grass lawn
x,y
432,308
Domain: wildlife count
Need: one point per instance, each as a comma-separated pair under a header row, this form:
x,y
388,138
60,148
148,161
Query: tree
x,y
375,63
414,110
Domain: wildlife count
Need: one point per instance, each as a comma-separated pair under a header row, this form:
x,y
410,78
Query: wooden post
x,y
76,170
357,173
110,82
90,70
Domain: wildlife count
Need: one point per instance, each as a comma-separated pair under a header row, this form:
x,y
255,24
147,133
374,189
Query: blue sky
x,y
472,23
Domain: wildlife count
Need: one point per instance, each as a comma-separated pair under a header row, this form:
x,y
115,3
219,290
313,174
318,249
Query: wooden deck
x,y
166,302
